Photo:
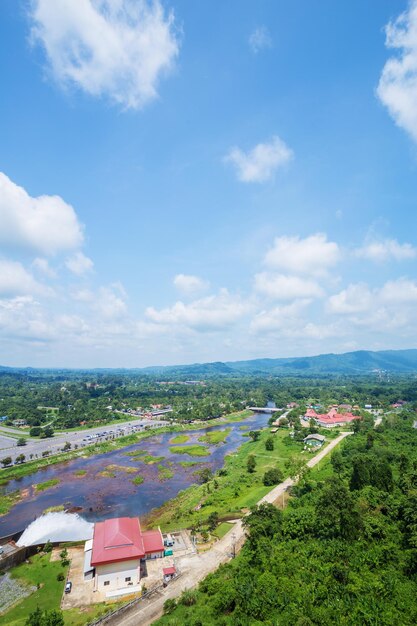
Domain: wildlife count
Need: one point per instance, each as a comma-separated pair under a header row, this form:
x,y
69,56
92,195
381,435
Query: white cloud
x,y
279,318
45,224
259,164
210,313
387,249
15,280
397,87
189,284
116,48
42,266
313,255
284,287
79,264
260,39
401,290
356,298
110,301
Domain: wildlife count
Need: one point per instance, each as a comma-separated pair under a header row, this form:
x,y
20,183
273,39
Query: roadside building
x,y
169,573
118,548
20,422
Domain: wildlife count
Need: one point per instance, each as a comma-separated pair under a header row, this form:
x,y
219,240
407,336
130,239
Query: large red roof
x,y
152,541
118,539
332,417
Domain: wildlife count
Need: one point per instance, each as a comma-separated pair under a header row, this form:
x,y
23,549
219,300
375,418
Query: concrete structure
x,y
115,554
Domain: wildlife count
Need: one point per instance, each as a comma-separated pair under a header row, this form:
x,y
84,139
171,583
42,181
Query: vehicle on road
x,y
68,587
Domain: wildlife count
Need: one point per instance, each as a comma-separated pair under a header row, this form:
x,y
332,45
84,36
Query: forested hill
x,y
350,363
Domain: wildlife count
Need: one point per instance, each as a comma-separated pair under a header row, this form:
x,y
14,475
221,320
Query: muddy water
x,y
96,496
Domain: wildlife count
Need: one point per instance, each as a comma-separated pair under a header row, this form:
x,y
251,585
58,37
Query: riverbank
x,y
30,467
233,490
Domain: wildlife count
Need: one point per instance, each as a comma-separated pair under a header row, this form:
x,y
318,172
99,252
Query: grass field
x,y
233,493
191,450
42,573
222,529
217,436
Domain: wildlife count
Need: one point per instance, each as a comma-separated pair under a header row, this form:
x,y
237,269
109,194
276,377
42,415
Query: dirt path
x,y
196,567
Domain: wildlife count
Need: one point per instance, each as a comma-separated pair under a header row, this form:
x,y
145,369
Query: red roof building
x,y
122,539
331,418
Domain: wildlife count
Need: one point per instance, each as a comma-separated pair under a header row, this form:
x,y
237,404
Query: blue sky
x,y
186,181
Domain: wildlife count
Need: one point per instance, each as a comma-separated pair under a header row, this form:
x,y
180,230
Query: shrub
x,y
272,477
60,576
269,444
169,605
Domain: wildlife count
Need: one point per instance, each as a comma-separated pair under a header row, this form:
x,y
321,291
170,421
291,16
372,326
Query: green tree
x,y
254,434
337,462
269,444
20,459
212,520
251,464
336,513
360,474
272,477
6,461
21,441
35,431
48,547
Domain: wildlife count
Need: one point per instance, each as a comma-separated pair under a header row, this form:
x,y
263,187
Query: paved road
x,y
54,444
197,567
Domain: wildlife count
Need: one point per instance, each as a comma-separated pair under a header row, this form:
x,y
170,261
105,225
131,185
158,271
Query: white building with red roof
x,y
118,547
331,419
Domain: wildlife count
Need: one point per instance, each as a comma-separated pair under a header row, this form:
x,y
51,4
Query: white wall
x,y
116,573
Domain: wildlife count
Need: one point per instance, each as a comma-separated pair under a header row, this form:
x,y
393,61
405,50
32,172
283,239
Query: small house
x,y
169,573
314,440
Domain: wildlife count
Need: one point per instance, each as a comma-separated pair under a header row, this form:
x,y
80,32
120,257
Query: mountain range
x,y
359,362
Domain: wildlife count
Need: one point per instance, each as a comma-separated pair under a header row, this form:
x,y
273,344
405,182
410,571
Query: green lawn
x,y
39,571
43,572
191,450
216,436
222,529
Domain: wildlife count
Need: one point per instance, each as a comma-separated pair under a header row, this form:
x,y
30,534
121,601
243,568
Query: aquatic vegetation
x,y
216,436
164,473
180,439
47,484
191,450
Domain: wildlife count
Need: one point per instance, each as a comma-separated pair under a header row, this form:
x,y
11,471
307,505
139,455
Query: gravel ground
x,y
12,591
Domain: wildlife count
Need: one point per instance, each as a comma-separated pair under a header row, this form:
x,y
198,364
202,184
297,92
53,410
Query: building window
x,y
106,582
128,579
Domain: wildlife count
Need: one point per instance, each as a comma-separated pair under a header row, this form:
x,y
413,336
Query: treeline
x,y
343,552
80,398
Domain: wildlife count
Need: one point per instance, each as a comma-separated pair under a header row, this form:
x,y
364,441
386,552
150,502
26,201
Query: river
x,y
96,496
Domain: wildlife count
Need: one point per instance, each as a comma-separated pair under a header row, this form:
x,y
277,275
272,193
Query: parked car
x,y
68,587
